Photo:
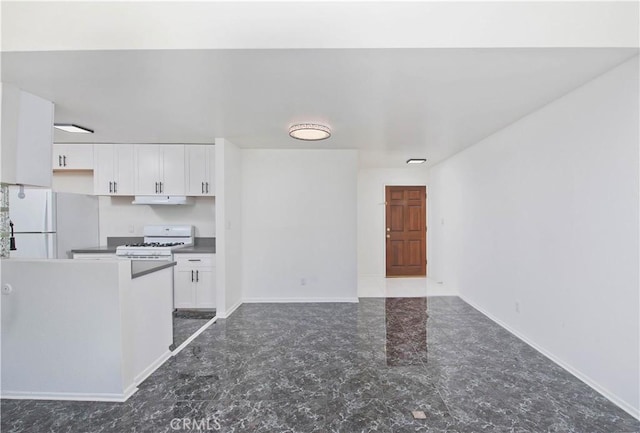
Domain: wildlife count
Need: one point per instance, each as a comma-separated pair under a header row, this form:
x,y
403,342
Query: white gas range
x,y
159,243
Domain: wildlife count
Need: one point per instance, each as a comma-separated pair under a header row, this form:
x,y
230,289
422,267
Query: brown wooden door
x,y
406,231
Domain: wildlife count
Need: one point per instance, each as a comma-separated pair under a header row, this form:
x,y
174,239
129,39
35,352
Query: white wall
x,y
299,225
79,182
229,273
53,349
118,217
544,213
371,221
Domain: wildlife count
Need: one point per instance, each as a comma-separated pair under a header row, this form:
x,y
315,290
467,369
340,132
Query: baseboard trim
x,y
225,314
299,300
72,396
152,367
575,372
194,335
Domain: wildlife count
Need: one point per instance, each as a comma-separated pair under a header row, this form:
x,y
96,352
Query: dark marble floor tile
x,y
345,368
27,416
357,416
437,416
266,416
183,328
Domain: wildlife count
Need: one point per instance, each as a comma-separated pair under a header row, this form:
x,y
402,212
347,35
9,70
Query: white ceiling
x,y
233,73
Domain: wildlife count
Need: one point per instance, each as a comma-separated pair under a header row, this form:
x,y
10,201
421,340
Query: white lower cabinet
x,y
194,281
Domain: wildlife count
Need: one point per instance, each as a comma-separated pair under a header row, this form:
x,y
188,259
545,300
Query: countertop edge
x,y
94,250
195,250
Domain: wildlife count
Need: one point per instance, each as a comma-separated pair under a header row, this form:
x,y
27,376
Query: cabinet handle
x,y
64,160
197,276
59,160
202,187
115,186
161,186
192,276
194,260
110,186
156,187
207,183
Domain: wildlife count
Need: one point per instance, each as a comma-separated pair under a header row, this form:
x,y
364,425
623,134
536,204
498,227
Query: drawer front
x,y
195,260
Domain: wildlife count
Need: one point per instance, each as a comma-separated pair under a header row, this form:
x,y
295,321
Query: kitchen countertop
x,y
100,249
144,267
196,249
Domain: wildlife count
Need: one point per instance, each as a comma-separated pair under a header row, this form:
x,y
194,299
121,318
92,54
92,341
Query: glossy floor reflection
x,y
345,368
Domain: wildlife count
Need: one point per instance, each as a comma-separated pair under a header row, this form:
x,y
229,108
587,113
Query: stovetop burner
x,y
155,244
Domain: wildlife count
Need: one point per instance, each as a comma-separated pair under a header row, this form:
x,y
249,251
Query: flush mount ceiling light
x,y
68,127
309,131
416,161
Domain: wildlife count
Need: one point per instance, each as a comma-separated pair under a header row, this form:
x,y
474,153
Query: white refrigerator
x,y
49,225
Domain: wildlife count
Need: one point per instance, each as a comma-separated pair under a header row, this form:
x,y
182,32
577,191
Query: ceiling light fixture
x,y
309,131
68,127
416,161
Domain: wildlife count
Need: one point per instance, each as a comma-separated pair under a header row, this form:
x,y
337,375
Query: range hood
x,y
162,200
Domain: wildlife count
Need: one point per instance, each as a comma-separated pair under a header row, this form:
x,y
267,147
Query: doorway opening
x,y
406,231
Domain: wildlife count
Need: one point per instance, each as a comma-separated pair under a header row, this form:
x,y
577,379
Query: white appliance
x,y
49,224
159,243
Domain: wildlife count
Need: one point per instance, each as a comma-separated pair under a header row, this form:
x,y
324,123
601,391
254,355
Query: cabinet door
x,y
124,169
172,160
147,177
72,157
210,181
103,174
184,288
34,140
196,169
205,288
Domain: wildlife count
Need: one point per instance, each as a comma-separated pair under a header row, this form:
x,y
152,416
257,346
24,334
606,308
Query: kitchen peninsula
x,y
83,329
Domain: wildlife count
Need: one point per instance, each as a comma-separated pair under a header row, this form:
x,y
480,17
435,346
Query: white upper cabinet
x,y
72,156
200,169
113,169
27,138
160,169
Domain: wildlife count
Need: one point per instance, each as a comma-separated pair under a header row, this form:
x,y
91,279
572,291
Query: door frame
x,y
384,225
